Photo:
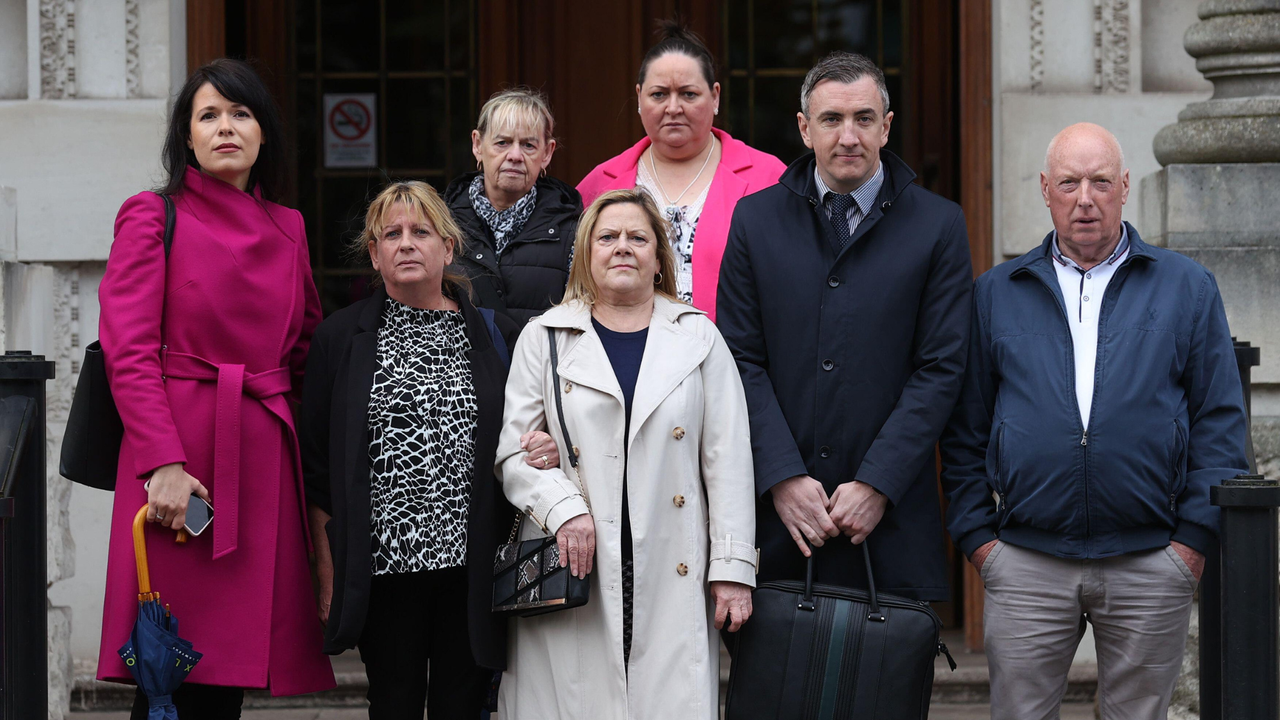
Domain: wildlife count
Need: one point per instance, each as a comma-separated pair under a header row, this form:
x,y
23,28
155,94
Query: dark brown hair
x,y
674,37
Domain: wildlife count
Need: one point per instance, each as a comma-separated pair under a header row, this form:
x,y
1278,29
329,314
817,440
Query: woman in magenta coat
x,y
203,353
696,173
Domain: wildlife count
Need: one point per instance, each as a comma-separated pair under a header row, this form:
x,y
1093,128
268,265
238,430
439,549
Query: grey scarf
x,y
504,224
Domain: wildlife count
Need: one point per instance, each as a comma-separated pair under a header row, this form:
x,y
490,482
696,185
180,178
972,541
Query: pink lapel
x,y
727,187
618,173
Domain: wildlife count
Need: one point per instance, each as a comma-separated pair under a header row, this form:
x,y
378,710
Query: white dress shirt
x,y
1082,292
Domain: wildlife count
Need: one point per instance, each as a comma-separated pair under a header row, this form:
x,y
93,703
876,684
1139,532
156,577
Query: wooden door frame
x,y
977,199
206,32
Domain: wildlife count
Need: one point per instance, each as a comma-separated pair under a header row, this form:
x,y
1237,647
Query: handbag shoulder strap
x,y
555,378
170,221
570,450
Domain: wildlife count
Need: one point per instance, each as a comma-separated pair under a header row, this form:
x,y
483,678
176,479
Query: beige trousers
x,y
1036,609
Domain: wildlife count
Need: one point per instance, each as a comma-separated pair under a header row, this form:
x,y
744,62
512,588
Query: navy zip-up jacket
x,y
1167,420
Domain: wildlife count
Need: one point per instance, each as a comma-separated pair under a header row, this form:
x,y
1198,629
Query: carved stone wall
x,y
132,61
1037,44
57,49
64,348
1111,45
110,61
1097,33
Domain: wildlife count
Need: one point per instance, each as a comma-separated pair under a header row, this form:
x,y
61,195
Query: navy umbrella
x,y
158,659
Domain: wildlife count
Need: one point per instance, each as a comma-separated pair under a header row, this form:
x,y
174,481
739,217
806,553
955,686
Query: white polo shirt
x,y
1082,292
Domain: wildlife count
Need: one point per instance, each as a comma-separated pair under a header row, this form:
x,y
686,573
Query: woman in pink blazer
x,y
203,352
695,172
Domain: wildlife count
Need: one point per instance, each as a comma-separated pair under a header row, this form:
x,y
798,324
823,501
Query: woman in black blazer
x,y
402,404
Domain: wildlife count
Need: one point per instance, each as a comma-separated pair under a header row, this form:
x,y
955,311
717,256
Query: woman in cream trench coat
x,y
691,504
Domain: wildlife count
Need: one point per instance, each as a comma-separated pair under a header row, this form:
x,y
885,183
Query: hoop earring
x,y
479,166
657,279
544,172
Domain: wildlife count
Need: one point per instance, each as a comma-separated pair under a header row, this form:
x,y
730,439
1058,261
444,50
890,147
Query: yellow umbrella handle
x,y
140,551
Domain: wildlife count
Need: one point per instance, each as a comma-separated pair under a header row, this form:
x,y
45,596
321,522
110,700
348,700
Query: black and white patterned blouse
x,y
422,419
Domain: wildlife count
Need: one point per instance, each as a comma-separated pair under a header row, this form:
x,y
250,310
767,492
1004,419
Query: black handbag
x,y
91,443
527,577
819,651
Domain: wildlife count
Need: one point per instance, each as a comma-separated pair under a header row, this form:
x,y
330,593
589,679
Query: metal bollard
x,y
1250,669
1247,358
23,617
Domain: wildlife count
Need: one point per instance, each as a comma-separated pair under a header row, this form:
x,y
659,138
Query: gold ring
x,y
544,461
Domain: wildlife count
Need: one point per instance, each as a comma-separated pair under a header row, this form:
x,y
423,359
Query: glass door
x,y
386,90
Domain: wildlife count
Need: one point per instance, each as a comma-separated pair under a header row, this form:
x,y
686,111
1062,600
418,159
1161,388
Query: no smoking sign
x,y
350,133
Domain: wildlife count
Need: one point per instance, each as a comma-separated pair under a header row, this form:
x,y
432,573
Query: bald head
x,y
1085,187
1084,137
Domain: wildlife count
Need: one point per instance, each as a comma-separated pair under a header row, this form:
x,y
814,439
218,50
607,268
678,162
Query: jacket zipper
x,y
1113,285
1071,375
1180,452
1003,505
1071,378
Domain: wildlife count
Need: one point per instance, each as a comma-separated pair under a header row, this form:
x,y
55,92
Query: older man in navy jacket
x,y
1101,402
844,295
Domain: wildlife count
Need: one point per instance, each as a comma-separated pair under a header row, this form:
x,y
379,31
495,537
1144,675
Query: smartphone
x,y
199,515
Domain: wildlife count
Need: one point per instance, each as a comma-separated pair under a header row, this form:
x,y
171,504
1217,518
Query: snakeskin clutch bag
x,y
527,577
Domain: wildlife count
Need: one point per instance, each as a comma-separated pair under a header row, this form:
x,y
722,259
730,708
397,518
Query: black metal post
x,y
1249,536
1247,358
25,674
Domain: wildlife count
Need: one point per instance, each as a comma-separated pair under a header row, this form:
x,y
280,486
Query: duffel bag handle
x,y
806,600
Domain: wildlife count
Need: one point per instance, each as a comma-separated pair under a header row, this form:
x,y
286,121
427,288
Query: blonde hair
x,y
422,200
515,108
582,287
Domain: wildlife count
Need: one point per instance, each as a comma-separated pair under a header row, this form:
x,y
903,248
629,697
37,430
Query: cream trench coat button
x,y
568,387
682,569
678,500
678,433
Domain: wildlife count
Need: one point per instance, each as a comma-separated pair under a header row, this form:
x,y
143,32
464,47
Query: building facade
x,y
978,86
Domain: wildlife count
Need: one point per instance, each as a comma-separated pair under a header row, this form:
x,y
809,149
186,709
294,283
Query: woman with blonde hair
x,y
401,409
660,509
520,222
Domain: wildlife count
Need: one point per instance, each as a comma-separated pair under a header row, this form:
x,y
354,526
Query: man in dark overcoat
x,y
844,295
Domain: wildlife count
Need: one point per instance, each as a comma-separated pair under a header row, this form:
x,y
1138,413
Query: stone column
x,y
1216,201
1237,47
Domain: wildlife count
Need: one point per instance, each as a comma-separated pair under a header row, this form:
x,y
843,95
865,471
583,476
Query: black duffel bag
x,y
832,653
91,443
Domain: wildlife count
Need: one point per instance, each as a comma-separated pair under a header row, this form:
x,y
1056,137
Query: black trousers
x,y
197,702
417,622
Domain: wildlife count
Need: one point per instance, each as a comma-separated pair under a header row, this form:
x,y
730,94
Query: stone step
x,y
967,685
90,694
970,685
